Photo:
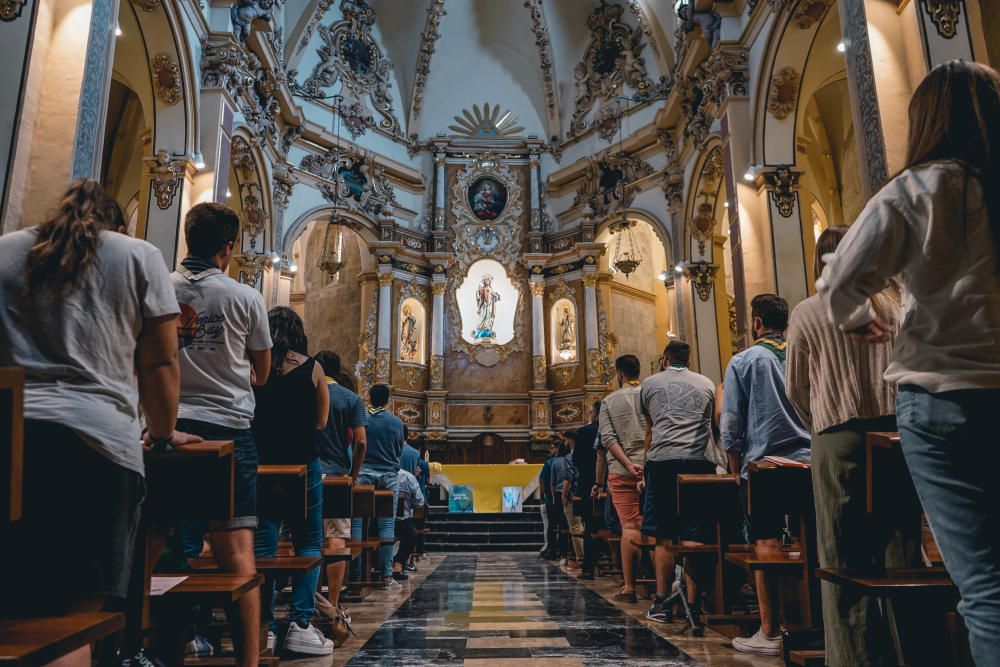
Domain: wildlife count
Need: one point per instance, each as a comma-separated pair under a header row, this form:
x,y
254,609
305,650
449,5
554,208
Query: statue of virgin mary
x,y
486,310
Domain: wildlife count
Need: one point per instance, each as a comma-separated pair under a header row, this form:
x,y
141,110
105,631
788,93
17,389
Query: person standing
x,y
342,446
758,420
585,463
562,474
677,404
409,497
935,228
291,407
385,434
821,361
225,346
90,315
623,434
409,459
548,516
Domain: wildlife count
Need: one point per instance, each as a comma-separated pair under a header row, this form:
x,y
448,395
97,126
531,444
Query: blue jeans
x,y
307,536
382,478
947,440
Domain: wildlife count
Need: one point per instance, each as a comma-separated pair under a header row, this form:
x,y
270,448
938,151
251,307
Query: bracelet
x,y
164,444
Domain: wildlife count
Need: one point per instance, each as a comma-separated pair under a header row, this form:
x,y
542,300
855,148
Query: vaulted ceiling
x,y
512,53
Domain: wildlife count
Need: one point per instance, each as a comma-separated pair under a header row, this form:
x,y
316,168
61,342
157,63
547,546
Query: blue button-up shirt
x,y
562,469
757,418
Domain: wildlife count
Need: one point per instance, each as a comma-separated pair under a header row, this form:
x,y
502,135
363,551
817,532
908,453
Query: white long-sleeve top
x,y
929,229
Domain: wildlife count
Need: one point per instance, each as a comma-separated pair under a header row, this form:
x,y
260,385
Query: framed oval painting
x,y
487,198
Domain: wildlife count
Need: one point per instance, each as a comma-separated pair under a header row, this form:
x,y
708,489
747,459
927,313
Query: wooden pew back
x,y
11,443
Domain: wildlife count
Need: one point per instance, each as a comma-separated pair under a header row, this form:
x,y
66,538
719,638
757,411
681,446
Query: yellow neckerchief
x,y
632,383
770,342
330,380
375,411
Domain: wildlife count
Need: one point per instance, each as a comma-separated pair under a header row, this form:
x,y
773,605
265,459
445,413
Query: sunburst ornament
x,y
489,122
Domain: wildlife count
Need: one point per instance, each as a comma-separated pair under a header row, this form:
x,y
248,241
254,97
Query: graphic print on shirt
x,y
200,330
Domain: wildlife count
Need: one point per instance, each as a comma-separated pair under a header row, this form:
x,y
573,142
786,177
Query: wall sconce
x,y
702,276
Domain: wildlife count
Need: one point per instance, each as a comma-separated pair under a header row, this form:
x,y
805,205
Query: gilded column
x,y
437,333
590,327
538,331
382,369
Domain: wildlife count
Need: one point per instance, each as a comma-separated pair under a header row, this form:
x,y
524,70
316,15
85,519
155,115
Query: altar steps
x,y
463,531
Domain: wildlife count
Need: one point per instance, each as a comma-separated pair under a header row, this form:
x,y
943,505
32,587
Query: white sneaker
x,y
308,641
759,643
392,585
271,641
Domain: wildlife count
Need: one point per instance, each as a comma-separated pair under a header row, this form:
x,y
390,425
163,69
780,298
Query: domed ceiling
x,y
442,59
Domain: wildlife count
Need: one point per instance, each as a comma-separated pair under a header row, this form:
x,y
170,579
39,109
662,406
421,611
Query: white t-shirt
x,y
78,350
220,320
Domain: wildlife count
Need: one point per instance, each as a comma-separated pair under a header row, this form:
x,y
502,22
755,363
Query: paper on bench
x,y
160,585
782,461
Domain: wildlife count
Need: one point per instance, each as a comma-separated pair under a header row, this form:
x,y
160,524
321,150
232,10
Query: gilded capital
x,y
438,288
385,279
589,280
537,288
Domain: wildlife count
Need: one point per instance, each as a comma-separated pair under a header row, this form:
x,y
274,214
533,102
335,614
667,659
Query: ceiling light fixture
x,y
628,258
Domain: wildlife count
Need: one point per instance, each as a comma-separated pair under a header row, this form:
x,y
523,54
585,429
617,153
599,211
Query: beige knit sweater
x,y
832,378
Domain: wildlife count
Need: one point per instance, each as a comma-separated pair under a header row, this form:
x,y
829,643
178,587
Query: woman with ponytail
x,y
935,228
90,315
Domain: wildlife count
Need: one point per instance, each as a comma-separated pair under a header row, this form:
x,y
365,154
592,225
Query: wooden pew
x,y
11,443
786,489
37,640
281,489
362,507
713,500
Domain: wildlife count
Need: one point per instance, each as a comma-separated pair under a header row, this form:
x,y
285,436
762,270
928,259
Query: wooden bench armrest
x,y
884,439
222,586
214,449
692,480
37,641
281,470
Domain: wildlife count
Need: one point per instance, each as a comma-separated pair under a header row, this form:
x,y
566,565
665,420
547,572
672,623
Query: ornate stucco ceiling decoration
x,y
540,28
351,55
489,123
613,60
784,93
604,185
355,180
167,78
428,38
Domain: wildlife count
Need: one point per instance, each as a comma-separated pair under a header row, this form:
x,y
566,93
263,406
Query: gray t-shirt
x,y
622,421
220,320
679,403
78,350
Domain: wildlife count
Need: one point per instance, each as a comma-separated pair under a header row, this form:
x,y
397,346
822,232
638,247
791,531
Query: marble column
x,y
538,332
437,333
384,341
591,337
439,191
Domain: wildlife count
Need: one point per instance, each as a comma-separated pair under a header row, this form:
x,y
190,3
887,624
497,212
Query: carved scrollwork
x,y
428,38
412,373
612,59
282,184
243,13
702,225
564,373
540,29
165,173
224,64
673,189
382,368
810,12
782,184
538,370
702,276
784,93
437,371
944,15
351,55
603,187
595,366
356,180
166,78
365,368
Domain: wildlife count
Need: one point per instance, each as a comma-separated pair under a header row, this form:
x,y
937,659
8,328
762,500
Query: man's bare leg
x,y
629,554
233,551
664,566
767,589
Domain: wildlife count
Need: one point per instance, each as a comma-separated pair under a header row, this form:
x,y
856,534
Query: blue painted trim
x,y
90,121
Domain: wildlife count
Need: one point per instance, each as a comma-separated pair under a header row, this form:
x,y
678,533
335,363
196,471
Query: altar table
x,y
487,481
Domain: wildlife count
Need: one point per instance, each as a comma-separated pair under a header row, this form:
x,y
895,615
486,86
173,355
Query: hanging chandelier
x,y
627,257
331,260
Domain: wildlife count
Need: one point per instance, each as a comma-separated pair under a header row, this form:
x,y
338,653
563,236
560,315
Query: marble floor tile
x,y
507,610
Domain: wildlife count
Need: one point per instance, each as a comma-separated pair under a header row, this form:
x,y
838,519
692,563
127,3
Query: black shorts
x,y
80,521
659,507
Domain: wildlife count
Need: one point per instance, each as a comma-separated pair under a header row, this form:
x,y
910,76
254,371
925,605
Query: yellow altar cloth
x,y
487,481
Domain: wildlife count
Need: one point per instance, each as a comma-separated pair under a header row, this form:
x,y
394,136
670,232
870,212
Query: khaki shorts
x,y
337,528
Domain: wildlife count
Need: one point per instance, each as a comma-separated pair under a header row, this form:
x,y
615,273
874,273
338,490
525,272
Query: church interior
x,y
481,207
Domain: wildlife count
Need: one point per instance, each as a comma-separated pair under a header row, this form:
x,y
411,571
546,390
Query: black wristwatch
x,y
164,444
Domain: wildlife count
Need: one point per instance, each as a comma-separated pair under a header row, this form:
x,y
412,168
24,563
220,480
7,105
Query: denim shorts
x,y
245,471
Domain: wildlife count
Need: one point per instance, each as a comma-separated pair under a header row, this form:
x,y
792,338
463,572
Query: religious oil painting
x,y
357,56
487,198
487,302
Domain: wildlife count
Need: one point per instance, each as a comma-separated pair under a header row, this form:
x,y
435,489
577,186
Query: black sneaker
x,y
140,659
400,576
660,614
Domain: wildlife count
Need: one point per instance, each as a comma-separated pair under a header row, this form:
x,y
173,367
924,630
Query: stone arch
x,y
361,224
704,189
249,164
